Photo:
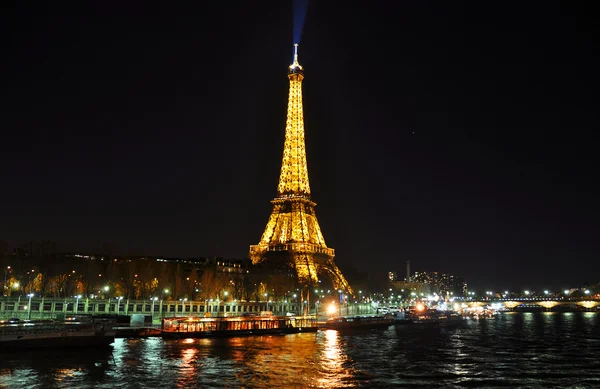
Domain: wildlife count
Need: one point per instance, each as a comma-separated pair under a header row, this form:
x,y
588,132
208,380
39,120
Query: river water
x,y
530,350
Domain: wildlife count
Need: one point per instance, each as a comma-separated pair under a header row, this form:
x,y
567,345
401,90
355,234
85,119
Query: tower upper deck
x,y
293,180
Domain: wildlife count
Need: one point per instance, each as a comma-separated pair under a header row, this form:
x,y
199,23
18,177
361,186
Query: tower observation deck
x,y
292,238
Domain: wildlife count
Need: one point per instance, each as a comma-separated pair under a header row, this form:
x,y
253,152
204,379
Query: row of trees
x,y
58,277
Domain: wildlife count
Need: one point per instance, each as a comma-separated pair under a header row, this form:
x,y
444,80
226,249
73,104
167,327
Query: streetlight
x,y
77,304
30,295
332,309
587,291
5,278
153,299
546,292
118,303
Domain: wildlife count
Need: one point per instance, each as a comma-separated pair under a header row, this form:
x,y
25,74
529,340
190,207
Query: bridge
x,y
547,303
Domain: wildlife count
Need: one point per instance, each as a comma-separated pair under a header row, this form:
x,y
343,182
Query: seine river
x,y
531,350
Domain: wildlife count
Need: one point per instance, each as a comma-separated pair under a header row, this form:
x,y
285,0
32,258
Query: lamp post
x,y
295,300
225,294
118,303
153,299
30,295
5,291
77,303
182,305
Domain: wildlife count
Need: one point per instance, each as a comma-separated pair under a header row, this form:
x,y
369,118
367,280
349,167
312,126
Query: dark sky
x,y
458,136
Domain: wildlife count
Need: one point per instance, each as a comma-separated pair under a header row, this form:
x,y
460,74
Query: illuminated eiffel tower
x,y
293,238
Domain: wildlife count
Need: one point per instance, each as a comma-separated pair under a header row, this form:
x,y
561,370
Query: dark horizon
x,y
459,137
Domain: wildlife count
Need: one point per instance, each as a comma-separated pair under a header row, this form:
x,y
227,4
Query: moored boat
x,y
76,332
421,317
358,322
206,327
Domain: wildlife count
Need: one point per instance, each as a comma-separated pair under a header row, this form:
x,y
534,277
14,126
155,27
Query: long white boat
x,y
206,327
75,332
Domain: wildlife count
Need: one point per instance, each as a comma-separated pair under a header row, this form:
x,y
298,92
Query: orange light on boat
x,y
420,307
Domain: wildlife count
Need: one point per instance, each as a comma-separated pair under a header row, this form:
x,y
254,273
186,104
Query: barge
x,y
207,327
358,322
74,332
428,319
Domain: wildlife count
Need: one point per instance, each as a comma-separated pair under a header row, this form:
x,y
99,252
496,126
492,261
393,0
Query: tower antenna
x,y
295,53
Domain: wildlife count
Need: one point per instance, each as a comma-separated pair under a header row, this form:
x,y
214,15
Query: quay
x,y
48,308
38,308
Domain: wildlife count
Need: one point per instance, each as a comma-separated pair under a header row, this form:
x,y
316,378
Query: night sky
x,y
459,137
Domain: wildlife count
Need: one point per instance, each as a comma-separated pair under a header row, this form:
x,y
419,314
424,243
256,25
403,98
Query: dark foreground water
x,y
532,350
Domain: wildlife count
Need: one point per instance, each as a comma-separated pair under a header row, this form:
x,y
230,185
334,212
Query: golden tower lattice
x,y
292,237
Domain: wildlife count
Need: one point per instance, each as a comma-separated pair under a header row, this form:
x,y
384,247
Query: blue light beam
x,y
299,14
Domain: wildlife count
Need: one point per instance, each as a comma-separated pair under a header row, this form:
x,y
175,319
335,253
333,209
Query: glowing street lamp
x,y
153,299
587,291
118,303
77,303
527,292
5,278
546,292
182,305
331,309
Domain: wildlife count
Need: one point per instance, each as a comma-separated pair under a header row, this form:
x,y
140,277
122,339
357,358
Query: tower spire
x,y
296,54
295,67
293,179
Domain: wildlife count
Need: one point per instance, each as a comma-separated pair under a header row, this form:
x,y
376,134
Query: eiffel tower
x,y
292,238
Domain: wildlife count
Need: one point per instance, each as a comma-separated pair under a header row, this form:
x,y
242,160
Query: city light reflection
x,y
332,360
187,367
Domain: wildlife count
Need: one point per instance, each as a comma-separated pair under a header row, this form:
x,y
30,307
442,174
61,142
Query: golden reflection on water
x,y
331,362
61,374
187,367
332,352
